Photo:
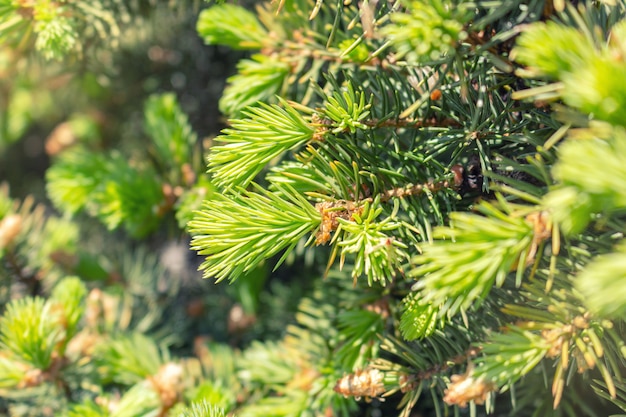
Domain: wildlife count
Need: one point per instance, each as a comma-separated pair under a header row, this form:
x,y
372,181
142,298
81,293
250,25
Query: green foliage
x,y
427,30
170,131
127,196
601,282
511,355
70,295
55,37
552,49
347,109
419,319
579,197
55,28
376,254
594,89
257,79
202,409
108,188
30,330
74,178
473,255
119,190
250,227
34,332
87,409
130,358
231,25
252,143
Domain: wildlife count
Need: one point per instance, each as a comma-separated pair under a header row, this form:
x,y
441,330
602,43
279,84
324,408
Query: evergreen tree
x,y
415,208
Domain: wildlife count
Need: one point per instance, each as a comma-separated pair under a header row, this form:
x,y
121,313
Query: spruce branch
x,y
481,251
88,408
578,197
251,143
511,355
74,178
13,372
107,187
551,49
419,319
202,409
257,80
30,330
129,359
55,37
601,284
237,232
140,400
170,131
558,325
231,25
69,297
347,109
360,331
427,30
377,254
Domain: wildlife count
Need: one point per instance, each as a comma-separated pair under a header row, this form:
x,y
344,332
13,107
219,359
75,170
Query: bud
x,y
167,383
61,138
10,227
362,383
465,388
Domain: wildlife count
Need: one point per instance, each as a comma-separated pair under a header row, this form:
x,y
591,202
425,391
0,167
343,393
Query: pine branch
x,y
601,281
231,25
203,409
459,273
238,232
251,143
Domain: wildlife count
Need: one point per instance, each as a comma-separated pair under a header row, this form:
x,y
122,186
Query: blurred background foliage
x,y
94,93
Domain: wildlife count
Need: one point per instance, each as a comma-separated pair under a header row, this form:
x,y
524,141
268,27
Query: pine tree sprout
x,y
251,143
346,109
172,136
428,30
231,25
69,294
580,196
601,284
595,93
257,80
75,177
368,383
55,38
480,253
130,359
377,254
551,49
418,319
202,409
250,227
29,330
